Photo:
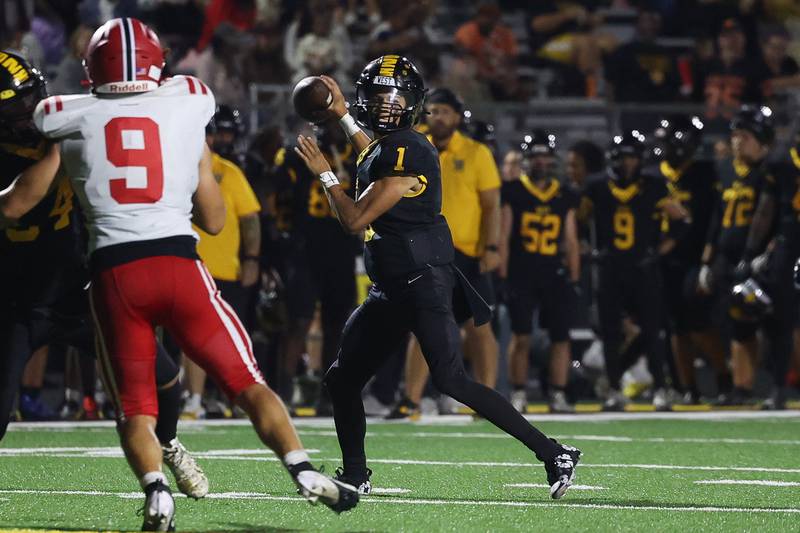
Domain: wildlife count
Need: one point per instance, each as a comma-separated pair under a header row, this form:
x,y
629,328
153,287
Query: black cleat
x,y
561,470
361,483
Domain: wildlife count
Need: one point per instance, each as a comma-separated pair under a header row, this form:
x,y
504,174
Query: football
x,y
311,99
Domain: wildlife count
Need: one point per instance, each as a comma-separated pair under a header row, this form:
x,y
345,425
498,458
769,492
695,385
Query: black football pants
x,y
422,305
637,290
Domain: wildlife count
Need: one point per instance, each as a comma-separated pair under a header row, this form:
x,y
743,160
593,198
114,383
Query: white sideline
x,y
415,501
759,482
450,420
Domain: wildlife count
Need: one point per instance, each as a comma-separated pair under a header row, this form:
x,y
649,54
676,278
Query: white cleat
x,y
519,399
190,478
159,508
317,487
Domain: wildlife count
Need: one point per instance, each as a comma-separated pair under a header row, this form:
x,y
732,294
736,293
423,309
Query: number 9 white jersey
x,y
133,159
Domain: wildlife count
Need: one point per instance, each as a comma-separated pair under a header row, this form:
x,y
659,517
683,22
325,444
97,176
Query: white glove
x,y
704,278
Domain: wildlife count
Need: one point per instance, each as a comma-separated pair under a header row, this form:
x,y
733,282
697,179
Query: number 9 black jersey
x,y
413,233
539,217
627,219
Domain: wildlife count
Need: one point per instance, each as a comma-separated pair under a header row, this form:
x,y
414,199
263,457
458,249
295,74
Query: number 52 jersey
x,y
132,159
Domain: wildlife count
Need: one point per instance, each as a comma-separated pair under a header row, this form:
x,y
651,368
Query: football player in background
x,y
233,256
692,182
628,205
540,232
409,256
320,261
742,179
778,211
135,152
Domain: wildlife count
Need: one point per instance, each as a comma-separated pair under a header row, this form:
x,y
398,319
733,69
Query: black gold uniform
x,y
537,277
783,183
738,193
44,282
320,257
42,276
694,187
409,254
627,223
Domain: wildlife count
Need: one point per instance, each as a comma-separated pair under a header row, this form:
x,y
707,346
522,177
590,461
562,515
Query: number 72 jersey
x,y
133,159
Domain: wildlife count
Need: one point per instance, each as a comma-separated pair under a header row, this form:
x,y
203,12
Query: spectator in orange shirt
x,y
493,47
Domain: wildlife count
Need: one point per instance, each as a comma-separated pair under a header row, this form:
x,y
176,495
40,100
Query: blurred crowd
x,y
293,276
717,52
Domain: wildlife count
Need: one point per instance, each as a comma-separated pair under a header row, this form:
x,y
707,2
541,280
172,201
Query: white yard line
x,y
389,490
447,420
759,482
415,501
262,454
545,486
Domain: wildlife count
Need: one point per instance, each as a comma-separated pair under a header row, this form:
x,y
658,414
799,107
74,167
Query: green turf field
x,y
640,472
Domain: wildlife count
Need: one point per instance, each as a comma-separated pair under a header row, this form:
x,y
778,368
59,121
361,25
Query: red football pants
x,y
129,300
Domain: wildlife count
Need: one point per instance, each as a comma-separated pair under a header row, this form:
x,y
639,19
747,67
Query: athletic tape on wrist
x,y
348,124
328,179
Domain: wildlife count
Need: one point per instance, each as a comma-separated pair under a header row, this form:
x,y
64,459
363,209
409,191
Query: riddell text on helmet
x,y
129,87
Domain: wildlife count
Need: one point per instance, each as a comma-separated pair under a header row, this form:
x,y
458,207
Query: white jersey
x,y
133,160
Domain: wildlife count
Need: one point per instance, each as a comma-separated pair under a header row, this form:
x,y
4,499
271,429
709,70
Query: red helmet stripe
x,y
203,87
59,103
192,89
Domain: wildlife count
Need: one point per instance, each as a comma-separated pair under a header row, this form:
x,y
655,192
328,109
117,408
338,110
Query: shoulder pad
x,y
55,116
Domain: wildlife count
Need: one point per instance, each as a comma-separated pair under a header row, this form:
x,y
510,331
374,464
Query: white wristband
x,y
328,179
348,124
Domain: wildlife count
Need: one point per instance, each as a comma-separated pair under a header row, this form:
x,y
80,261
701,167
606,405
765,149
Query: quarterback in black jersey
x,y
320,258
692,181
408,254
779,210
44,298
540,233
628,207
742,179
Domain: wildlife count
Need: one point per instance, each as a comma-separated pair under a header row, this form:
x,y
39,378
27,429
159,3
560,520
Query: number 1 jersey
x,y
133,160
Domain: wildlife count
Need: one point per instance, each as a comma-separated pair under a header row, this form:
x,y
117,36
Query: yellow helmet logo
x,y
8,93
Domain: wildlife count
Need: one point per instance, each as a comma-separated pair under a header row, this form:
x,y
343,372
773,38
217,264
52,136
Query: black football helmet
x,y
538,143
629,144
676,139
480,130
390,94
225,119
22,86
756,120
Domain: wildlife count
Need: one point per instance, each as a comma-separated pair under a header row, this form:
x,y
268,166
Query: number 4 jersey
x,y
133,160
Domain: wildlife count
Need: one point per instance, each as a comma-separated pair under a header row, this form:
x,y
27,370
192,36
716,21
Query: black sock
x,y
556,388
169,409
33,392
299,467
355,467
518,387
